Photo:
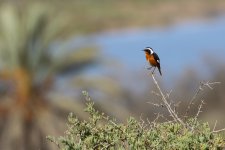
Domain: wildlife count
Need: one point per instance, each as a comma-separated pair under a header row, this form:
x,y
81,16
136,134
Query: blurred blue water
x,y
179,46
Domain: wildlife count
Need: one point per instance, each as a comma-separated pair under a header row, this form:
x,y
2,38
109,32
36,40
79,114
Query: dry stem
x,y
165,101
200,88
219,130
199,109
216,131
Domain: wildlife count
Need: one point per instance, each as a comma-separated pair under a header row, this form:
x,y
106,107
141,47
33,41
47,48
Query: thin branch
x,y
148,121
155,93
214,128
199,109
193,98
161,115
219,130
168,94
216,131
142,122
176,105
156,105
200,88
208,84
165,101
157,118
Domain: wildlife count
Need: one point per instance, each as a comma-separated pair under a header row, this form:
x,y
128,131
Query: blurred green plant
x,y
101,132
29,62
93,16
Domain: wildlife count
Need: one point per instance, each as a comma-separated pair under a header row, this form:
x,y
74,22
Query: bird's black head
x,y
148,50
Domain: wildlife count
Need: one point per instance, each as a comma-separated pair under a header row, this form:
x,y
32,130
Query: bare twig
x,y
156,105
208,84
199,109
168,94
162,116
148,121
177,104
154,122
200,88
214,128
155,93
157,117
142,123
216,131
165,101
219,130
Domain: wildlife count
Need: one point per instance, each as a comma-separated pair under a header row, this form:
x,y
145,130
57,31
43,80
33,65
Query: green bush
x,y
100,132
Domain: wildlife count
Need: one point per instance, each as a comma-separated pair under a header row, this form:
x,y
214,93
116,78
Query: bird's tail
x,y
159,69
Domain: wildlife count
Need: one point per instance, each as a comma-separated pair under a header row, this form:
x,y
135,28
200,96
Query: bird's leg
x,y
153,70
149,68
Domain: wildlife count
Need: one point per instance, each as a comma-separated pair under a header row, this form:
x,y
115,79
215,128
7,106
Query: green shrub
x,y
100,132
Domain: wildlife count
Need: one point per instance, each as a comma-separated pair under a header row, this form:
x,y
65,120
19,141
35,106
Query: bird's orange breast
x,y
151,59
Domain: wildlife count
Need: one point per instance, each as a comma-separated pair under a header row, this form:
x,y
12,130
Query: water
x,y
179,46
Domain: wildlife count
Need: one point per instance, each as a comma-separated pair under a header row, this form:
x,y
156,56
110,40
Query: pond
x,y
181,46
178,46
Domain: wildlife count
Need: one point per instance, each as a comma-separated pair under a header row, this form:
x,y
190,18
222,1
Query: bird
x,y
153,59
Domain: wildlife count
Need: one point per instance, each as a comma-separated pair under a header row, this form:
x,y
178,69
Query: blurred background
x,y
52,50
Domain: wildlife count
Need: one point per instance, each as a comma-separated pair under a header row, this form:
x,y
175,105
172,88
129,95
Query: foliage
x,y
27,40
101,132
30,61
92,16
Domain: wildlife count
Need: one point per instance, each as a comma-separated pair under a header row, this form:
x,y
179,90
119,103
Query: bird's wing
x,y
156,57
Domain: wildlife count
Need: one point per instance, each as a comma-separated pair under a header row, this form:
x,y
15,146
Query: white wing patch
x,y
151,51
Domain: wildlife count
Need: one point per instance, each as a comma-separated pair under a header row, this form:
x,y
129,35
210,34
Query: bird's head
x,y
148,50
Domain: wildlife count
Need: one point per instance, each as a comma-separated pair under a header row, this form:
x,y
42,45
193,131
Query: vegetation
x,y
31,61
101,132
92,16
29,66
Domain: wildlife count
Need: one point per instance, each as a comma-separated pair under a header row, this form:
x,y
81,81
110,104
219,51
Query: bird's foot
x,y
153,71
149,68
